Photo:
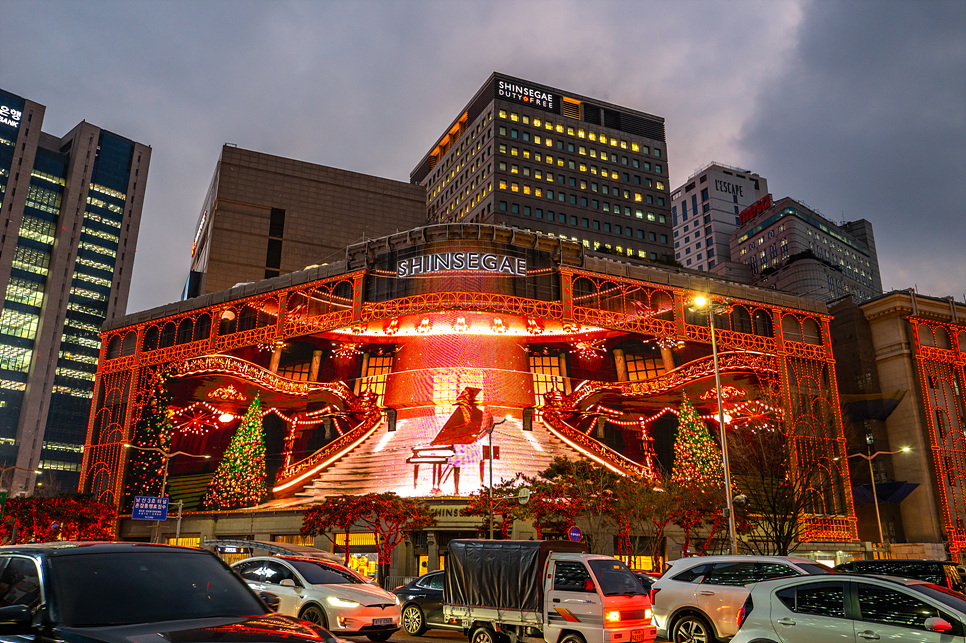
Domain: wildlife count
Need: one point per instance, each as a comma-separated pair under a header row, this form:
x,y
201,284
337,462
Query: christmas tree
x,y
152,431
239,480
697,457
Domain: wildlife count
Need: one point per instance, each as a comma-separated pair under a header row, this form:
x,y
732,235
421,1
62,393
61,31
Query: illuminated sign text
x,y
481,261
10,116
524,94
754,209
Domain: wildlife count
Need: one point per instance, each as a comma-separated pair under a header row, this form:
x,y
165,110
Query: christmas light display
x,y
239,480
153,430
65,517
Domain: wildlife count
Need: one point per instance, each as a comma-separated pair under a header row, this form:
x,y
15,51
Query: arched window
x,y
942,337
150,339
168,334
185,329
811,332
740,319
203,327
129,347
925,335
762,322
114,347
791,328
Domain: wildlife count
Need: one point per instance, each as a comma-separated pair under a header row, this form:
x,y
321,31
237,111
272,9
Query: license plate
x,y
387,621
638,635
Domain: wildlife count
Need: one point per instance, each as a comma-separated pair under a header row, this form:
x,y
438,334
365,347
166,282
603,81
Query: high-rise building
x,y
791,247
71,210
267,215
705,210
529,156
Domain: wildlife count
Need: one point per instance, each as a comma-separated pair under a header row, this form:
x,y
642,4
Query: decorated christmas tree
x,y
152,431
697,457
239,480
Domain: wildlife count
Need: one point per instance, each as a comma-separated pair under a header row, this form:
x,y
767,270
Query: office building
x,y
71,210
705,212
791,247
267,215
541,159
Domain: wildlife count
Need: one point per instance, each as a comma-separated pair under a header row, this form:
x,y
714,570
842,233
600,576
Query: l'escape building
x,y
383,372
71,209
534,157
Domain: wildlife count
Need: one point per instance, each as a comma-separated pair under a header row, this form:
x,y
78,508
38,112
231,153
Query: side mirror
x,y
936,624
287,582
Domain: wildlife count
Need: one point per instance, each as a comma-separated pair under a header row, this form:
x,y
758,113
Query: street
x,y
431,636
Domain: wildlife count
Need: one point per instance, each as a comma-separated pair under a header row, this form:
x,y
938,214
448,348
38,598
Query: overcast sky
x,y
855,107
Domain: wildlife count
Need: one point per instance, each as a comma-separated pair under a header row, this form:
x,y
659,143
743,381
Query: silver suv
x,y
697,599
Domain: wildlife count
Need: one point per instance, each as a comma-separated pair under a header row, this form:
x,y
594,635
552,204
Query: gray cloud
x,y
853,107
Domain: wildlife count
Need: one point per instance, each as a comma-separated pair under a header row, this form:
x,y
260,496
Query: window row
x,y
578,132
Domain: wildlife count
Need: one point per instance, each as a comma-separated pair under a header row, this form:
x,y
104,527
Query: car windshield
x,y
318,573
147,586
614,578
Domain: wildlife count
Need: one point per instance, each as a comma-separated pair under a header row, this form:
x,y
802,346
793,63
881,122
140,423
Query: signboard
x,y
10,116
574,534
526,95
476,261
754,209
150,508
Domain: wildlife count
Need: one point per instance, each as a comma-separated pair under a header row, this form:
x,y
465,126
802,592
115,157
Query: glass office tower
x,y
71,209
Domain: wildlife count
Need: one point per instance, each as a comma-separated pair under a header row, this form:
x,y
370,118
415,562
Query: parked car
x,y
123,592
697,599
940,572
850,607
422,604
325,593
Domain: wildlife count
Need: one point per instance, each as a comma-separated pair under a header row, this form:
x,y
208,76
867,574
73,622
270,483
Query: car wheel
x,y
314,614
483,635
413,620
572,638
378,636
692,628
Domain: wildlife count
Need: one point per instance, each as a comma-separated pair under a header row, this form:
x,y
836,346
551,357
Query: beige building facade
x,y
267,215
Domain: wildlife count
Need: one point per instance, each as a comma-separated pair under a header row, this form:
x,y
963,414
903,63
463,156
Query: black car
x,y
940,572
422,604
647,579
122,592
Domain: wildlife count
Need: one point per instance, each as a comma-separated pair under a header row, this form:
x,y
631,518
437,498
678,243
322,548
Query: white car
x,y
850,608
325,593
696,600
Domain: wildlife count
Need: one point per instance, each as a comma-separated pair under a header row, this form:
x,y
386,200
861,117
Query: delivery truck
x,y
505,591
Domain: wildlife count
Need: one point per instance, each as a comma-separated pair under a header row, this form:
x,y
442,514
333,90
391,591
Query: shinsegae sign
x,y
524,94
472,261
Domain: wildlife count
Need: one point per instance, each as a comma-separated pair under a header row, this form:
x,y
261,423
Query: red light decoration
x,y
346,350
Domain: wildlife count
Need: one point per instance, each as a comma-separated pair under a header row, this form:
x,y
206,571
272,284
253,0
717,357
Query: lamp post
x,y
869,457
705,302
493,426
167,455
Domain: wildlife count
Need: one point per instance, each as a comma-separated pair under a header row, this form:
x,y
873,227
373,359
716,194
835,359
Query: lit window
x,y
636,148
502,113
514,116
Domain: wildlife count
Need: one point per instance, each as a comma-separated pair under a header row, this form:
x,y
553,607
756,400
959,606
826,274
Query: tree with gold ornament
x,y
699,471
239,480
145,468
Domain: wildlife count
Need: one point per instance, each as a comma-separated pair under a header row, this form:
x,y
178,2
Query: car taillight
x,y
745,610
654,591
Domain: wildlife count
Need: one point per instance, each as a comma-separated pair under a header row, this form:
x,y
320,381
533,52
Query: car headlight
x,y
398,602
341,602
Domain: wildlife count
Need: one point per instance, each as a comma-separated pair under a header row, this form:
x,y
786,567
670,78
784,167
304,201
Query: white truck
x,y
505,591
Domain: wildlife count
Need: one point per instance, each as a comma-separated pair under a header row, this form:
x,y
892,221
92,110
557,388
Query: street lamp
x,y
493,426
705,302
869,458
